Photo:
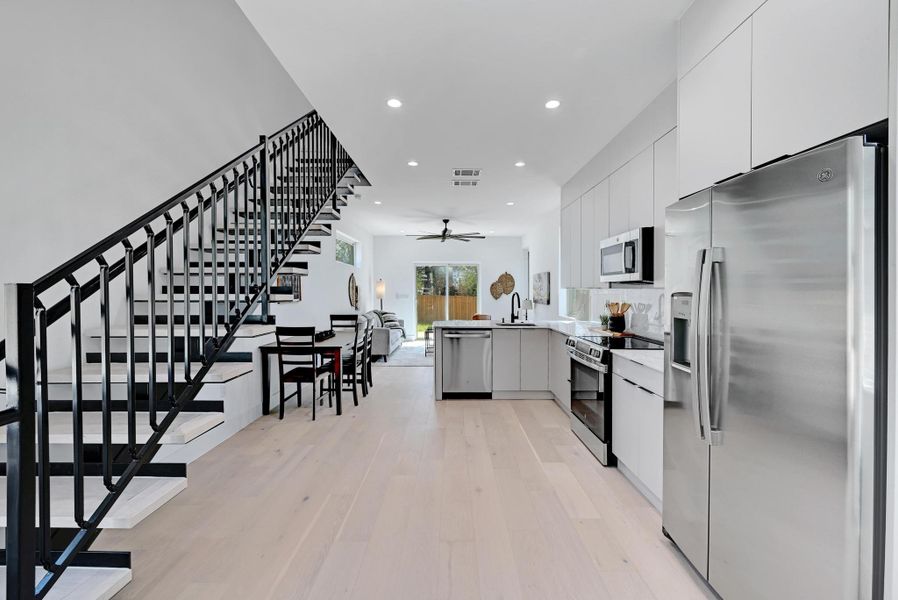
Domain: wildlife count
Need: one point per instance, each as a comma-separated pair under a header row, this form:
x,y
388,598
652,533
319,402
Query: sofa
x,y
389,333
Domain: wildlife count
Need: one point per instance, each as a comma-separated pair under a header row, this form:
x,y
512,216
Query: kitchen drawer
x,y
639,374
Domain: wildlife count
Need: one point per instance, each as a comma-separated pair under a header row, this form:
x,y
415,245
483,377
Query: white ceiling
x,y
473,76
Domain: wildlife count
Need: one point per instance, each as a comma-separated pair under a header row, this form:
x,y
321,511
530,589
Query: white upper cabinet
x,y
641,211
619,201
600,227
665,194
588,278
819,71
570,245
715,115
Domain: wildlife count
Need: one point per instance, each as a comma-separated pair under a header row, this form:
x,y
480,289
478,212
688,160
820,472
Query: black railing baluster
x,y
77,400
294,188
246,283
257,259
227,252
213,214
20,437
105,375
278,200
185,233
264,229
129,340
170,270
236,277
297,179
304,172
43,440
200,241
151,325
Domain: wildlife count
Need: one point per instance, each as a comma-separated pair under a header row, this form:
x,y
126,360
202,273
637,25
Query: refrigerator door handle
x,y
694,346
704,344
713,257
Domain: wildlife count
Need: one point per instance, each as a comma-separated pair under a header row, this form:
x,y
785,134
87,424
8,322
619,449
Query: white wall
x,y
543,243
325,290
109,108
395,258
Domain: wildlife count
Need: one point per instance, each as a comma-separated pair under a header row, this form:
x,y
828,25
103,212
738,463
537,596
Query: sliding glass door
x,y
445,291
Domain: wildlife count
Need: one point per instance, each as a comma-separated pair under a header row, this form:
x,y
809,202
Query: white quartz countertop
x,y
653,359
565,327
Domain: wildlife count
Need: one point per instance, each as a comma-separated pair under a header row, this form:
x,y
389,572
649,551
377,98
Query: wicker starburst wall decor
x,y
503,285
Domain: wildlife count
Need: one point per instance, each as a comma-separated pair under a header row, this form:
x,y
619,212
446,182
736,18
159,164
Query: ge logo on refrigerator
x,y
825,175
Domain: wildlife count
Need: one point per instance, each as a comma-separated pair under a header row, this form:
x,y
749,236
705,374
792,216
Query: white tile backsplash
x,y
647,317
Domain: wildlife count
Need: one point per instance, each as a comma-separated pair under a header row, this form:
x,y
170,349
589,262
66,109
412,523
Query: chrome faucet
x,y
513,313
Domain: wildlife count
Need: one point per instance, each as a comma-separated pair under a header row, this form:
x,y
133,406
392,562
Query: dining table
x,y
332,348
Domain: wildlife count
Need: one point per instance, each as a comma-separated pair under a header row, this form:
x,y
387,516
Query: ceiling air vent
x,y
464,183
466,172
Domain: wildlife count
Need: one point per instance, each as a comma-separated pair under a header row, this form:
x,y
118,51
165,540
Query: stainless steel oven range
x,y
591,402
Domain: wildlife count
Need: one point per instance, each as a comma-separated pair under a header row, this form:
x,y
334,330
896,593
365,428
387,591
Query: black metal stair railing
x,y
242,223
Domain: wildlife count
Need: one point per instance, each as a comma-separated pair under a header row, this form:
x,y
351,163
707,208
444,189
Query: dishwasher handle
x,y
461,335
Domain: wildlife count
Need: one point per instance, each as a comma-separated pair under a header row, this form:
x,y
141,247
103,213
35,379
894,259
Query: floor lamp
x,y
379,291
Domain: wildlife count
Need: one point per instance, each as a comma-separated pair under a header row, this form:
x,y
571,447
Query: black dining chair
x,y
353,359
301,366
369,357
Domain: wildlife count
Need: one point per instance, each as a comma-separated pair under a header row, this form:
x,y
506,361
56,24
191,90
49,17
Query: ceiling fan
x,y
448,235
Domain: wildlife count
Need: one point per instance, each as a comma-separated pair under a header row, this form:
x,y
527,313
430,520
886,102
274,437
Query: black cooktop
x,y
623,343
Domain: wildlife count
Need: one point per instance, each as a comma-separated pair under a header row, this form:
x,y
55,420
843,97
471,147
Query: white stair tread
x,y
250,330
82,583
186,427
141,498
220,372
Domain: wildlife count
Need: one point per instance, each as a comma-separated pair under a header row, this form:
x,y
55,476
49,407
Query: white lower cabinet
x,y
506,360
560,369
520,360
637,430
534,359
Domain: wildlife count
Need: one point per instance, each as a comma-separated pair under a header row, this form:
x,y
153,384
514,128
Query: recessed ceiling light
x,y
553,104
520,163
491,231
509,204
413,163
402,231
377,202
394,102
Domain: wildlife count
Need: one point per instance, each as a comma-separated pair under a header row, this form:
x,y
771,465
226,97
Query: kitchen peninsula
x,y
502,361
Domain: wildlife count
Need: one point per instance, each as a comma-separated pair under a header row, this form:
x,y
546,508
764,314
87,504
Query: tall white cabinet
x,y
794,74
817,72
715,114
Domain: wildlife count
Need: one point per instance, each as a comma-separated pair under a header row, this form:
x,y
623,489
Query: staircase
x,y
127,348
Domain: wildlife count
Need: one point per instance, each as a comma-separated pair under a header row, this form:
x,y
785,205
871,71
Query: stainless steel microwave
x,y
627,257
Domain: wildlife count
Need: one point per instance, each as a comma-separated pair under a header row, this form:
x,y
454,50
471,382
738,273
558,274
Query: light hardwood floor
x,y
406,498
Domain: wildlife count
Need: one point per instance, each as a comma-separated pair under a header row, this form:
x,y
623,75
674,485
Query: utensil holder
x,y
617,324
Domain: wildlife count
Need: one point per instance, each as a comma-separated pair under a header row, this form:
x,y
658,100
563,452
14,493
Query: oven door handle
x,y
594,367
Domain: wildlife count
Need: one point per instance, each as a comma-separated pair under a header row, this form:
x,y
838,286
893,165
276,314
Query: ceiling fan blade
x,y
469,234
427,237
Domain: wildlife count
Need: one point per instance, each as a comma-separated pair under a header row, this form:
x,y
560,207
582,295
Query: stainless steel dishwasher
x,y
467,363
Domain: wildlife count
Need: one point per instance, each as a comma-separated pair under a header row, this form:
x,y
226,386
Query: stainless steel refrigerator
x,y
772,421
